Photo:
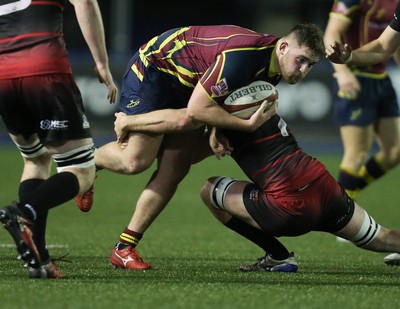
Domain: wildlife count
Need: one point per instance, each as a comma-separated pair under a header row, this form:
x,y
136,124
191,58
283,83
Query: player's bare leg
x,y
387,133
357,142
138,154
173,166
26,220
130,158
178,153
366,233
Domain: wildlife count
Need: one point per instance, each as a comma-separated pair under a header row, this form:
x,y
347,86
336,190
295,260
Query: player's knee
x,y
215,190
136,165
205,190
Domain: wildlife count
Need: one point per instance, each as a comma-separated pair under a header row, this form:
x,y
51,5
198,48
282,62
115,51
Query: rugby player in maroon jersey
x,y
195,67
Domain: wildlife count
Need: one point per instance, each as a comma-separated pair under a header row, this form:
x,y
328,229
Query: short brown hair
x,y
309,35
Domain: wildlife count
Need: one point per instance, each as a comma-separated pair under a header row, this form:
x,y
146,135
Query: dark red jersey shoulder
x,y
31,39
26,25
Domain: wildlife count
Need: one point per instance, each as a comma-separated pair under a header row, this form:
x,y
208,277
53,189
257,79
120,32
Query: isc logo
x,y
53,124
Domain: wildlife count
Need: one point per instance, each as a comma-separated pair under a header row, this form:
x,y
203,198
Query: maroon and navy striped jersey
x,y
31,38
222,58
367,21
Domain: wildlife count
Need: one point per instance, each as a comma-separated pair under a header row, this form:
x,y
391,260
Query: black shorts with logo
x,y
323,205
49,105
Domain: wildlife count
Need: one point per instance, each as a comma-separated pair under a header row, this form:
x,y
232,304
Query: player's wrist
x,y
349,59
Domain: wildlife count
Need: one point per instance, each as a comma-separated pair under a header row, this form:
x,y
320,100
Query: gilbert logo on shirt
x,y
220,88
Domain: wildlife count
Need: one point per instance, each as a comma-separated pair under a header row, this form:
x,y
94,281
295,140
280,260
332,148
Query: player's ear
x,y
283,46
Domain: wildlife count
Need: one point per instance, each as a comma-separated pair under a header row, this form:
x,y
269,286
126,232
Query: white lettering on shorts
x,y
85,122
53,124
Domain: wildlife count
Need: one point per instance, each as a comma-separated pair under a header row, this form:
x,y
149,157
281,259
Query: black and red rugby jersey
x,y
271,157
31,38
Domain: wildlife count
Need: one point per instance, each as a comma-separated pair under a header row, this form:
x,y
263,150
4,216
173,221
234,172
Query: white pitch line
x,y
48,246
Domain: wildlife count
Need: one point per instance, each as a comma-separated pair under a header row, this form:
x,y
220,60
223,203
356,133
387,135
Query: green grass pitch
x,y
195,258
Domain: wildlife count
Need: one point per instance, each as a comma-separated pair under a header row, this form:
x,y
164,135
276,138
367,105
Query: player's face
x,y
295,64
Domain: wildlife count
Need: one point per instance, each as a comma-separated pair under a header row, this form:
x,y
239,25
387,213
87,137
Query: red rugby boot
x,y
128,258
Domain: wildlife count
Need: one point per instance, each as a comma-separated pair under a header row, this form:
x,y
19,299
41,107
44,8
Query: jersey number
x,y
283,127
11,6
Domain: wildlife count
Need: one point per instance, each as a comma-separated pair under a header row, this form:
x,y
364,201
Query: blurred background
x,y
130,23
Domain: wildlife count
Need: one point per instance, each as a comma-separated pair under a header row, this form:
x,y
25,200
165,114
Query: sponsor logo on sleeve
x,y
220,88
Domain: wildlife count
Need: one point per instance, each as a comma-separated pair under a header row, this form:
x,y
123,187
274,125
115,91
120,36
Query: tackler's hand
x,y
219,144
119,128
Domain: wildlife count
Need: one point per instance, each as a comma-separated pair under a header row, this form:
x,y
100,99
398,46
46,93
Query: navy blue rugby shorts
x,y
376,100
157,90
